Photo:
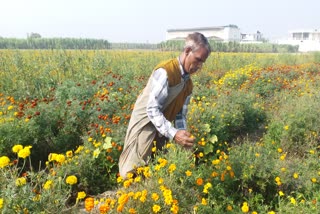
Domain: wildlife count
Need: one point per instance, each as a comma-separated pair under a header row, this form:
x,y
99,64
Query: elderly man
x,y
164,100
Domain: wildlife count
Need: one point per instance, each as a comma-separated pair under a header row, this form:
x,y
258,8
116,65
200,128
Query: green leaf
x,y
107,144
213,139
208,148
206,128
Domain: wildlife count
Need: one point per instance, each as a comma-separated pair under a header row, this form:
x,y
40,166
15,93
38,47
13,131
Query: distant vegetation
x,y
34,41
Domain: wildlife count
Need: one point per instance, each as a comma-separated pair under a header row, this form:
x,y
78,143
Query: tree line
x,y
36,42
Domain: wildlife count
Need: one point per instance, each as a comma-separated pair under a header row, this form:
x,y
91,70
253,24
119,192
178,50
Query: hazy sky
x,y
148,20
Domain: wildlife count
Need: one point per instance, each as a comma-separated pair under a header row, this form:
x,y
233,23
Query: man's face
x,y
195,59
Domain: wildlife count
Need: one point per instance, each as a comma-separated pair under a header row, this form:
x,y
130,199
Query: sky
x,y
144,21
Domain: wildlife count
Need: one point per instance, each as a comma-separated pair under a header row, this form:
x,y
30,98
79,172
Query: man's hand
x,y
184,138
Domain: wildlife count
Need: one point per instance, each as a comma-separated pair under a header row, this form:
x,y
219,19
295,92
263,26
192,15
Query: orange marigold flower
x,y
199,181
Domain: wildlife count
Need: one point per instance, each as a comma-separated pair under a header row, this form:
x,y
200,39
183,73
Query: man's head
x,y
195,52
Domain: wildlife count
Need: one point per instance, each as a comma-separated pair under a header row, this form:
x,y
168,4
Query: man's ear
x,y
188,50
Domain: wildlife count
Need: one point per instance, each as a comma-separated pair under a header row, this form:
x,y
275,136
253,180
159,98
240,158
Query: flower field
x,y
64,114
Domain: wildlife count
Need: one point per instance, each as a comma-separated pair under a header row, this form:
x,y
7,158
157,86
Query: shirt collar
x,y
184,74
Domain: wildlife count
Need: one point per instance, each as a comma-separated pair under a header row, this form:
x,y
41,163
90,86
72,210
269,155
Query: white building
x,y
251,37
221,33
308,40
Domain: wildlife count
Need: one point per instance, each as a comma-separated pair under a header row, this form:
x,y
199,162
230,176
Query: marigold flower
x,y
293,201
229,207
281,193
188,173
4,161
81,195
199,181
21,181
245,207
156,208
172,167
104,208
89,204
48,185
71,180
60,158
17,148
155,196
25,152
313,180
204,201
132,211
295,175
174,209
69,154
1,203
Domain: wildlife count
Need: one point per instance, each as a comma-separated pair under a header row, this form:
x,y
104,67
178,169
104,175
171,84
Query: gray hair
x,y
197,40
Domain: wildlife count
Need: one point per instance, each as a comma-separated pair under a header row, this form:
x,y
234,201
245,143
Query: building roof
x,y
201,28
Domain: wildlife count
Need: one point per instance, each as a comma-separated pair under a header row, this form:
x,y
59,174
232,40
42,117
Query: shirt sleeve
x,y
181,118
158,96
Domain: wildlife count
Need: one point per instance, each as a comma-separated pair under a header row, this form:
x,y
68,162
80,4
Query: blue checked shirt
x,y
157,98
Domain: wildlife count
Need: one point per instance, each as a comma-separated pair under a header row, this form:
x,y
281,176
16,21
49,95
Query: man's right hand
x,y
184,138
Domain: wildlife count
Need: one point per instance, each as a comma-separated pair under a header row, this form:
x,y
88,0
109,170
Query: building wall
x,y
219,33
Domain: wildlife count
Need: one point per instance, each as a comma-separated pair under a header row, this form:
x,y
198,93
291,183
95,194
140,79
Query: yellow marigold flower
x,y
127,183
271,212
283,169
52,157
1,203
229,207
296,175
160,181
204,201
17,148
229,168
188,173
71,180
201,154
10,108
81,195
21,181
286,127
155,196
279,150
156,208
282,157
312,152
172,167
119,179
25,152
132,211
69,154
48,185
313,180
215,162
137,179
245,207
60,158
293,201
281,193
199,181
79,149
174,209
137,195
90,139
4,161
154,149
